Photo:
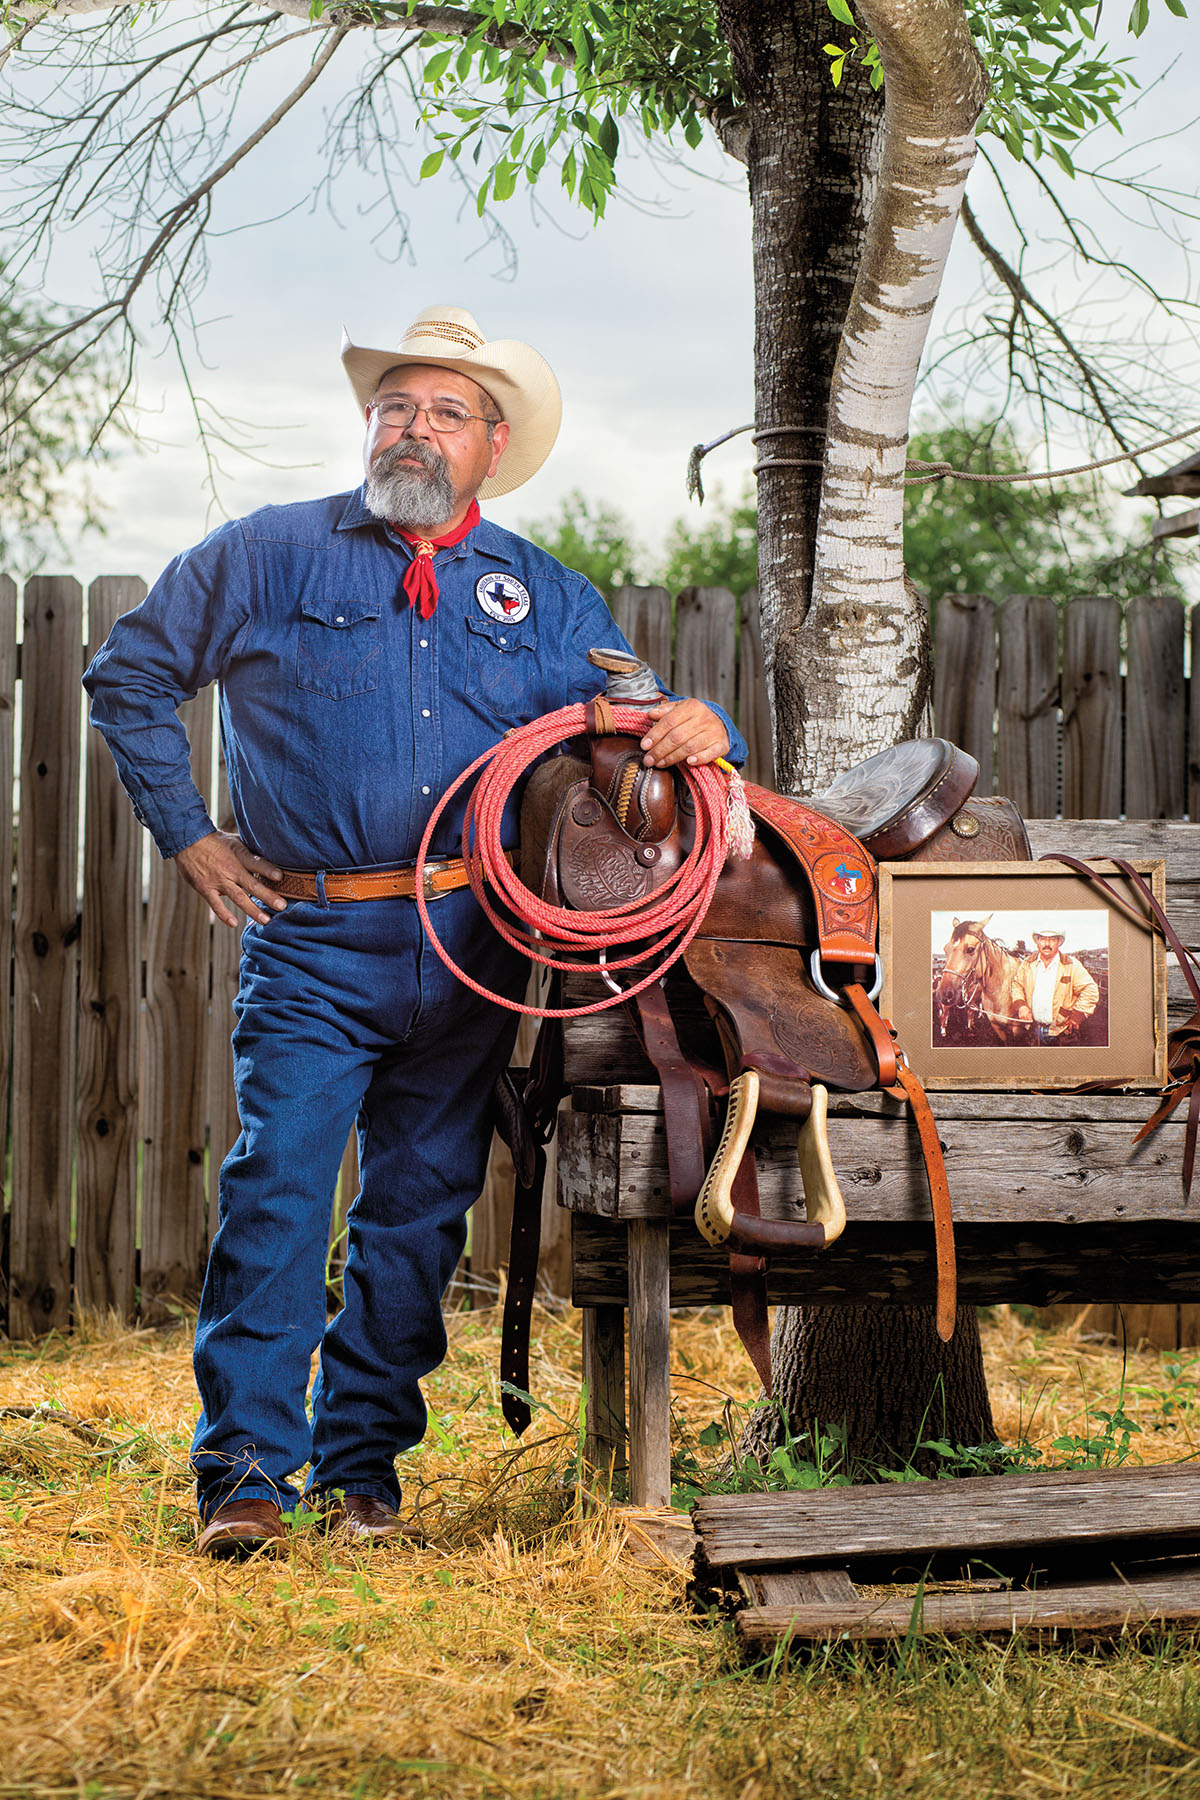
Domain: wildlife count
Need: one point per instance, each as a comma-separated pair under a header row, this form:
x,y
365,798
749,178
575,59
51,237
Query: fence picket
x,y
1027,710
753,710
706,645
964,679
1154,716
1091,708
8,689
110,992
644,615
174,1085
45,957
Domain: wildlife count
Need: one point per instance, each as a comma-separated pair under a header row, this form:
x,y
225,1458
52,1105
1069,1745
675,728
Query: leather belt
x,y
441,877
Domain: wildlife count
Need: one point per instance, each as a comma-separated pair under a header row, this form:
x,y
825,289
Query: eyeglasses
x,y
398,415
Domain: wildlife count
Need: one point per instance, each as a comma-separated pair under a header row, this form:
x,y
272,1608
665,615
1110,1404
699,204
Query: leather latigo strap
x,y
685,1093
840,872
904,1083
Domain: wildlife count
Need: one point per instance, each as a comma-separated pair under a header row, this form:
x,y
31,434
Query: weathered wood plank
x,y
1027,710
45,957
644,615
964,679
873,1264
1155,787
649,1364
604,1379
799,1587
753,706
174,1085
1193,752
110,998
1153,1507
706,645
991,1105
1098,1609
8,688
225,950
1064,1172
1091,708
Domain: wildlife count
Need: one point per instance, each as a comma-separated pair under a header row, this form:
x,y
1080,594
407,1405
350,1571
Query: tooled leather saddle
x,y
786,961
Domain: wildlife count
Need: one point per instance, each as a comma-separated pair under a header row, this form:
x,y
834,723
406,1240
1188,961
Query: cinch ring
x,y
823,987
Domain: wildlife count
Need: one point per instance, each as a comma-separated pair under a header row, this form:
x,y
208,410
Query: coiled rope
x,y
557,937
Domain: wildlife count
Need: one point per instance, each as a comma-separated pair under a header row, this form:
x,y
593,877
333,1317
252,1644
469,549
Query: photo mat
x,y
1022,975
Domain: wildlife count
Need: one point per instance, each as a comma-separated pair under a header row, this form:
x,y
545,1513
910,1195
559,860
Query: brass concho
x,y
965,825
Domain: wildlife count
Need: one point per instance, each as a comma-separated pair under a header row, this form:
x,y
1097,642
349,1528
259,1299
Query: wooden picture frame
x,y
962,1013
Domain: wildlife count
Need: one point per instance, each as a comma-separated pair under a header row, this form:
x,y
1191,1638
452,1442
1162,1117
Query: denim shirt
x,y
344,714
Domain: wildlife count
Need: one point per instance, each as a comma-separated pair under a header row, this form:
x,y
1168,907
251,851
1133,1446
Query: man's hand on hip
x,y
683,731
221,868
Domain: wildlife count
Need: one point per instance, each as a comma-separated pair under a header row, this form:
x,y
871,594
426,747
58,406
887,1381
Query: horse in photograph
x,y
973,996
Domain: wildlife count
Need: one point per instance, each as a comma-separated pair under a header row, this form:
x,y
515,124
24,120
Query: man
x,y
368,647
1052,989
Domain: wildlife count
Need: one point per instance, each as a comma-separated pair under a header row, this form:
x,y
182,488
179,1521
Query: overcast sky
x,y
647,320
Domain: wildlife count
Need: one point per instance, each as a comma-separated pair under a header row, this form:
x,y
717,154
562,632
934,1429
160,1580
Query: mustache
x,y
391,460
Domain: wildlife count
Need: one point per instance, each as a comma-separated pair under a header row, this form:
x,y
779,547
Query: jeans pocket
x,y
339,650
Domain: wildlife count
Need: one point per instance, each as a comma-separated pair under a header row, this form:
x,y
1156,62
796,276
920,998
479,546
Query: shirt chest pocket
x,y
339,651
502,666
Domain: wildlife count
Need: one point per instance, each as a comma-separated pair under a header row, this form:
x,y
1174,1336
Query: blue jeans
x,y
344,1012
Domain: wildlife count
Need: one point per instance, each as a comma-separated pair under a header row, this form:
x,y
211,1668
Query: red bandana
x,y
420,582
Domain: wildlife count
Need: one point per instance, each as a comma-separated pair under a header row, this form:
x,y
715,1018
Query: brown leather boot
x,y
241,1527
361,1516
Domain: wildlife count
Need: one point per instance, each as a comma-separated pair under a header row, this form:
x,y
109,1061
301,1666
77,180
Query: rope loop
x,y
557,937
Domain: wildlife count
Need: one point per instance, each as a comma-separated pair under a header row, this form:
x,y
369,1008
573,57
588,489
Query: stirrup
x,y
823,1203
714,1203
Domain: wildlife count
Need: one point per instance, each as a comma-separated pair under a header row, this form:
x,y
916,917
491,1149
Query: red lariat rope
x,y
663,925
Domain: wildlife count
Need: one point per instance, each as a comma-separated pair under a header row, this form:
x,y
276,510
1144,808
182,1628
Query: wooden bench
x,y
1053,1202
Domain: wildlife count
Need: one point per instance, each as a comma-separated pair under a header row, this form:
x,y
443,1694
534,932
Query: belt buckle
x,y
428,892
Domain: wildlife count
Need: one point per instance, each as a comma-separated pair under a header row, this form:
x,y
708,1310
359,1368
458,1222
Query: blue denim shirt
x,y
344,714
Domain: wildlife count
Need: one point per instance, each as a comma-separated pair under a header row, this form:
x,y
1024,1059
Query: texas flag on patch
x,y
502,596
847,879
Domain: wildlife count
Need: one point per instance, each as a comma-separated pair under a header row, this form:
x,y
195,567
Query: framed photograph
x,y
1023,975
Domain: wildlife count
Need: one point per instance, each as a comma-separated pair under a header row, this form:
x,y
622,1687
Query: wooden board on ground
x,y
1092,1552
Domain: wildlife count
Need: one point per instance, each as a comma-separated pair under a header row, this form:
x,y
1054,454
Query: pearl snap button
x,y
424,790
424,712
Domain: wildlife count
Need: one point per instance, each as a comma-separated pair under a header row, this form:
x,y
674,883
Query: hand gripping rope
x,y
660,927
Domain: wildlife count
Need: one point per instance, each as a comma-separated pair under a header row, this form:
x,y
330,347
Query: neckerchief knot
x,y
420,577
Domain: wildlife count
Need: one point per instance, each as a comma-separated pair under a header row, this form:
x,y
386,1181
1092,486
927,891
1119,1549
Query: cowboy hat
x,y
1054,931
520,382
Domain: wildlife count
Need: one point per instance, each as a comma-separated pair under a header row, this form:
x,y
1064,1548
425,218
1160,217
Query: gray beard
x,y
410,497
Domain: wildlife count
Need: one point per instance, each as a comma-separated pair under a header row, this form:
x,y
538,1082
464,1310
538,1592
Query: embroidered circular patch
x,y
841,877
502,597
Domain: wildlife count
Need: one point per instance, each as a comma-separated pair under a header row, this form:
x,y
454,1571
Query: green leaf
x,y
1139,18
840,11
1062,159
838,64
432,164
436,67
693,131
608,137
504,180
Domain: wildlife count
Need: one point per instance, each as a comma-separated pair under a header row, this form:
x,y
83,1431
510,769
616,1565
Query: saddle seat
x,y
895,801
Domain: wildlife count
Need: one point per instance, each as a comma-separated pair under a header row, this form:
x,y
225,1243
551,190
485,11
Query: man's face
x,y
1047,947
438,474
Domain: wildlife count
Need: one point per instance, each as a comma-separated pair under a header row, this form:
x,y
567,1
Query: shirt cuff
x,y
175,818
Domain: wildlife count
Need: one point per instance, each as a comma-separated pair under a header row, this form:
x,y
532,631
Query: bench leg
x,y
649,1363
604,1378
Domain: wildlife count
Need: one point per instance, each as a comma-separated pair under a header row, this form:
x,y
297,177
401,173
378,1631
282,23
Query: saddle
x,y
786,963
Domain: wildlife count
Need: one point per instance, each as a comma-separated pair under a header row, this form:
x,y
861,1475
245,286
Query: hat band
x,y
456,334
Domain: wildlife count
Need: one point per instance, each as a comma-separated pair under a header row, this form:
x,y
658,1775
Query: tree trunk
x,y
844,636
812,153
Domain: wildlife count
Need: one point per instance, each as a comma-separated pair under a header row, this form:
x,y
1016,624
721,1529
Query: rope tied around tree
x,y
936,471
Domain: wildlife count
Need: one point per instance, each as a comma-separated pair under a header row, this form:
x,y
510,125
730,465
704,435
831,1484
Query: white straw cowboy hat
x,y
519,380
1054,931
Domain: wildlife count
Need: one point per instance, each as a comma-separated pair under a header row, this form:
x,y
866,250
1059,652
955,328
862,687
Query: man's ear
x,y
500,435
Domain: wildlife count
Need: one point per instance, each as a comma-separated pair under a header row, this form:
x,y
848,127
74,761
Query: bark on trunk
x,y
812,155
858,661
844,635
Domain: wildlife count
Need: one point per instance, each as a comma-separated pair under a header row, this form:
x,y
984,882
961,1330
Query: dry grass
x,y
523,1653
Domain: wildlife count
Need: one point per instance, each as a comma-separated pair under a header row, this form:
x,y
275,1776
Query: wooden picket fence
x,y
116,1046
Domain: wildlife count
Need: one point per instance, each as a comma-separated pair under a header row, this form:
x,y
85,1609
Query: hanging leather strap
x,y
904,1084
1183,1043
685,1097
